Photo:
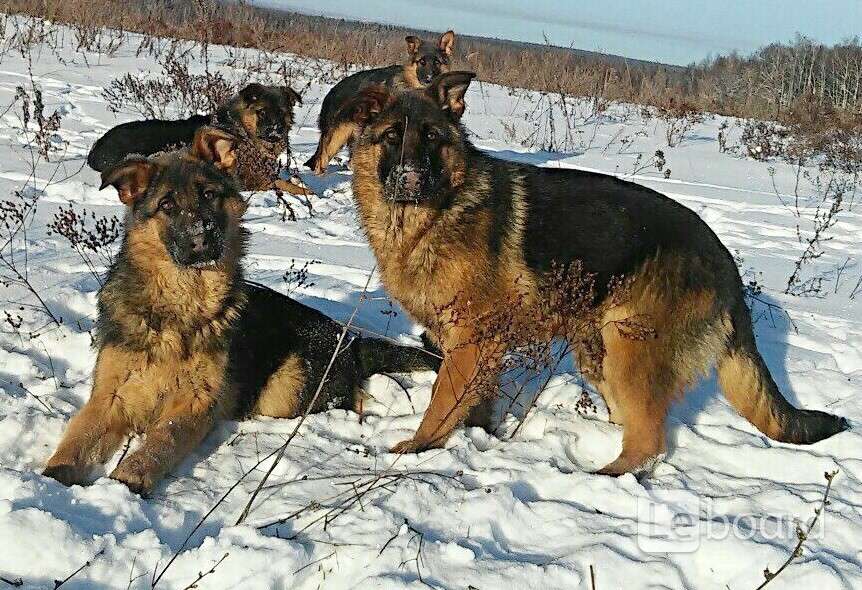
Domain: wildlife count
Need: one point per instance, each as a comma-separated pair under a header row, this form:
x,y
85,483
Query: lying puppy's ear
x,y
293,97
131,178
366,106
413,43
447,42
215,146
448,91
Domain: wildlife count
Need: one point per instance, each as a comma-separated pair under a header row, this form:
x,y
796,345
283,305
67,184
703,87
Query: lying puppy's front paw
x,y
66,474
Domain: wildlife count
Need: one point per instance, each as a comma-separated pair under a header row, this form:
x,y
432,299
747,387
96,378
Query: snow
x,y
484,512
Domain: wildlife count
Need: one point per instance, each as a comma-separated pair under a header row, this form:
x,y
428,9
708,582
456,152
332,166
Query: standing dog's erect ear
x,y
293,97
413,43
131,178
448,90
215,146
447,42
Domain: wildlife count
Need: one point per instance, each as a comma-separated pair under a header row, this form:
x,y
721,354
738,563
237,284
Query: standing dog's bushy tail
x,y
379,356
749,387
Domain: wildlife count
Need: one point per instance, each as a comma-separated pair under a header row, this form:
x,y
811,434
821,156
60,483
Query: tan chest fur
x,y
173,329
176,311
142,387
437,263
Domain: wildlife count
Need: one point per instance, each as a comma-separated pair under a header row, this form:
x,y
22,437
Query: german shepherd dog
x,y
260,115
425,60
449,223
183,340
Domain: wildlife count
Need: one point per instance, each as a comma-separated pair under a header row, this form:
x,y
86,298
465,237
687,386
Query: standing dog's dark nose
x,y
411,181
199,243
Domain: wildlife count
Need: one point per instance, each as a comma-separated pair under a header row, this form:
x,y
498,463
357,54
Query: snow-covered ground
x,y
485,512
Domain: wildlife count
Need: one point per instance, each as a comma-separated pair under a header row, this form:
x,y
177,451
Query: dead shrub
x,y
521,343
679,117
764,140
45,136
175,90
91,236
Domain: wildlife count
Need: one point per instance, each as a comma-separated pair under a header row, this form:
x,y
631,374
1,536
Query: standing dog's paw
x,y
408,446
66,474
135,477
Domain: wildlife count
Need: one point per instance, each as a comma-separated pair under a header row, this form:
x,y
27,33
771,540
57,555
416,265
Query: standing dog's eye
x,y
423,61
392,136
432,135
167,204
209,195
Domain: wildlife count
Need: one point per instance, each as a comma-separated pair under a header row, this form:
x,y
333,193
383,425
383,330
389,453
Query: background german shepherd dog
x,y
183,340
458,232
261,116
425,60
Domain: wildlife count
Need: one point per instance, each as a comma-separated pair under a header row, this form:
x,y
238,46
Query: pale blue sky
x,y
670,31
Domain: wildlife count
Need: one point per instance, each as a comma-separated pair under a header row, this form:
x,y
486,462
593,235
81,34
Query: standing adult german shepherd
x,y
425,60
261,116
458,232
184,341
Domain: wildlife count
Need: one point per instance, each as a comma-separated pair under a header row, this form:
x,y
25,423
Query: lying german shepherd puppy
x,y
183,341
425,60
260,115
457,232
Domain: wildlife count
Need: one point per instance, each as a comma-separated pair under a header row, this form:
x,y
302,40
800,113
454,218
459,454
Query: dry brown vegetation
x,y
791,83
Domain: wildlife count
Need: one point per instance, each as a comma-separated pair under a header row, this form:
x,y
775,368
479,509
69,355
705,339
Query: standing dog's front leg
x,y
463,381
181,426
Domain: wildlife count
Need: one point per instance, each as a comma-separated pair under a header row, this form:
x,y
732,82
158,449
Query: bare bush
x,y
296,277
15,215
562,122
679,117
520,344
764,140
45,136
828,168
657,161
93,245
176,90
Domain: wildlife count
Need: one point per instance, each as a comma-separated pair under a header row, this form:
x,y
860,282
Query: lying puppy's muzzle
x,y
199,246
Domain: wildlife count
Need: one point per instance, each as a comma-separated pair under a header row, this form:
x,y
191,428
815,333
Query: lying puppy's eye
x,y
167,204
423,61
209,195
432,135
392,136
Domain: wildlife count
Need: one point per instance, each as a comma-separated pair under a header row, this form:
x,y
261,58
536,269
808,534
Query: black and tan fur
x,y
261,116
183,340
449,223
425,60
